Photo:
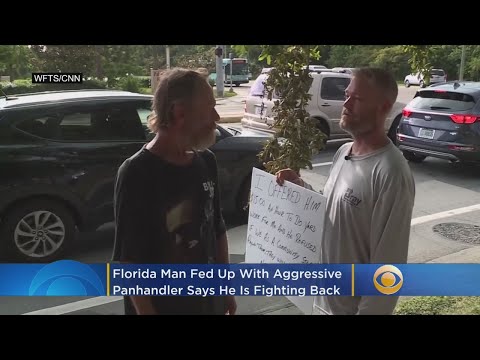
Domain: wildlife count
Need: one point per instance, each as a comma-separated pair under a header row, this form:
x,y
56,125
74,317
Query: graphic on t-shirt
x,y
350,198
190,223
180,221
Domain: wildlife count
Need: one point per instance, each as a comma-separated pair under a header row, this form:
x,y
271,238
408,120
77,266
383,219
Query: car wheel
x,y
407,83
392,132
39,230
422,84
415,158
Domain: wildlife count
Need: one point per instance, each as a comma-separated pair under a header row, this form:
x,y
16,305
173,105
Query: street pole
x,y
462,64
167,55
231,71
219,69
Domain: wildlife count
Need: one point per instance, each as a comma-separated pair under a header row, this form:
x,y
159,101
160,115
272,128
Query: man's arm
x,y
132,226
390,224
143,304
222,249
222,254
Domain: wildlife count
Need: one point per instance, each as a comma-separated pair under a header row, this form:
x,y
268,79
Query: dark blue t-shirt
x,y
169,214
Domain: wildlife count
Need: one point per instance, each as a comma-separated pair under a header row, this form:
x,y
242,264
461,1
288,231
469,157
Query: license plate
x,y
426,133
258,110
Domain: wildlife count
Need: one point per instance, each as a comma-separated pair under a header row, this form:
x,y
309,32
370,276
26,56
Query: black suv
x,y
59,155
442,121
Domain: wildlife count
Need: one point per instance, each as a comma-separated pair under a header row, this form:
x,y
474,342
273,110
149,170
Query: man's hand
x,y
288,175
230,305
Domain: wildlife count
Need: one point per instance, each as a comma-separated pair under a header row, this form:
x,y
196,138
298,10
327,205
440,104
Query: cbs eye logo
x,y
388,279
66,278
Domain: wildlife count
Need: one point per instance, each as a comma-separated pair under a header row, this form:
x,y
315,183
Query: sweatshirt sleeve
x,y
390,234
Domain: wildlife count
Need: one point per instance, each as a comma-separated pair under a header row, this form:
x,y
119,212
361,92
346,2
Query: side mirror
x,y
218,133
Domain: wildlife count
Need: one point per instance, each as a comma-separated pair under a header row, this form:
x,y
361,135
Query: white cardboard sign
x,y
285,225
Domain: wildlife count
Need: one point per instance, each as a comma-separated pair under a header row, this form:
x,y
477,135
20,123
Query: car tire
x,y
422,84
45,224
412,157
407,83
392,132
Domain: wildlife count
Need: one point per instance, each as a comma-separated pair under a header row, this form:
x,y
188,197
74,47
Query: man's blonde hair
x,y
382,79
174,85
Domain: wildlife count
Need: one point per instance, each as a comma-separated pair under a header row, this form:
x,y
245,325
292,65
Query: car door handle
x,y
326,104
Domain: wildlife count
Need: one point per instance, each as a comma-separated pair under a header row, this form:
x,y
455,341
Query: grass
x,y
146,90
226,94
439,305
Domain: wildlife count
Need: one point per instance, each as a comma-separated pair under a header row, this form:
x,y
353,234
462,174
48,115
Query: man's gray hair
x,y
174,85
382,79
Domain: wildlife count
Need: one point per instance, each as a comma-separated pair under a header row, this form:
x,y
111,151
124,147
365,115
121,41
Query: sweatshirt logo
x,y
350,198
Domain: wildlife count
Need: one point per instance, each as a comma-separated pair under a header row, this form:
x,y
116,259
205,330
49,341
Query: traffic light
x,y
219,52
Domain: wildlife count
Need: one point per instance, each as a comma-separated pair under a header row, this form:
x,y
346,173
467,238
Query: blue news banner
x,y
71,278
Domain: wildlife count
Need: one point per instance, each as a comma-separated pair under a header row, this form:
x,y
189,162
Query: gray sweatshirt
x,y
368,213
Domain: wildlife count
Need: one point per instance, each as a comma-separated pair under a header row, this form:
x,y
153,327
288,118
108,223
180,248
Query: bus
x,y
240,72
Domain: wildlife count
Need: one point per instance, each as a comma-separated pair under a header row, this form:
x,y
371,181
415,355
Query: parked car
x,y
442,121
325,106
436,76
59,154
343,69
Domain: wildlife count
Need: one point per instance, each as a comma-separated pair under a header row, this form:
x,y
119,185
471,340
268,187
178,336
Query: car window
x,y
333,88
437,72
450,101
115,122
143,114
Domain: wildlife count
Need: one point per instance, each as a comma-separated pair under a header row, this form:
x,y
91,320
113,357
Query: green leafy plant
x,y
420,56
439,305
297,136
130,83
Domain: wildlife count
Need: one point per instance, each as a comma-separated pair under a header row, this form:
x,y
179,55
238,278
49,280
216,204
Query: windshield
x,y
434,100
229,130
240,68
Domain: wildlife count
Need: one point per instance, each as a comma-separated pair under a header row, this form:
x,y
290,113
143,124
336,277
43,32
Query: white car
x,y
436,76
325,105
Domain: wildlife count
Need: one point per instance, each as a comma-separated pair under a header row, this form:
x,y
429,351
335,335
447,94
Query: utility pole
x,y
219,70
167,55
230,56
462,64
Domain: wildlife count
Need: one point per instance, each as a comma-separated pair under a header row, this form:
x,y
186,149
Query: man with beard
x,y
370,192
167,205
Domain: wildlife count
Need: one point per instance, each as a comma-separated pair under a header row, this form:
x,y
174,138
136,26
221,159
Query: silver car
x,y
436,76
325,106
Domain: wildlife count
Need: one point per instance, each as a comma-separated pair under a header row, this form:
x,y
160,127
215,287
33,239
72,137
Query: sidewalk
x,y
230,109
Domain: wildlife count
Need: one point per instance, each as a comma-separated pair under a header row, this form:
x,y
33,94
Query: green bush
x,y
23,82
439,305
130,83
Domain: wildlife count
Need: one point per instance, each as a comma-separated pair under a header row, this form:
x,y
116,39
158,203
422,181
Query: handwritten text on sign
x,y
285,223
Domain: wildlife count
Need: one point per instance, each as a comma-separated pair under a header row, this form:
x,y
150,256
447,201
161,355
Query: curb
x,y
230,119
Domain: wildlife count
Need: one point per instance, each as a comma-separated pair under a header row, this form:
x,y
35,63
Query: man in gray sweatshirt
x,y
370,192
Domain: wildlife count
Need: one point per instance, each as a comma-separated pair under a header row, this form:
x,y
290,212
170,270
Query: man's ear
x,y
386,106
